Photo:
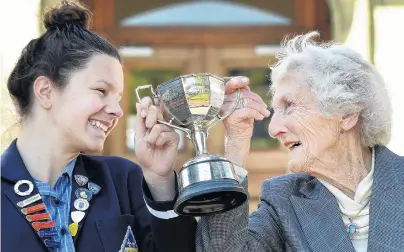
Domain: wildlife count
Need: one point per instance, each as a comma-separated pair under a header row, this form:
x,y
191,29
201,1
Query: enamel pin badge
x,y
129,242
93,187
81,180
37,216
27,192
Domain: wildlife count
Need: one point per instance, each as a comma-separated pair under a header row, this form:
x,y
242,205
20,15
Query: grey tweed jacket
x,y
297,213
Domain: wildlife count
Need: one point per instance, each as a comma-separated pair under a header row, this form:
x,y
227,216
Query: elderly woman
x,y
332,111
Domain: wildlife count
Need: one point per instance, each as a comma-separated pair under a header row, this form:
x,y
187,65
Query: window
x,y
206,13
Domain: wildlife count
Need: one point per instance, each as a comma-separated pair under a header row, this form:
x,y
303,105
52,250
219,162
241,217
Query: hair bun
x,y
67,12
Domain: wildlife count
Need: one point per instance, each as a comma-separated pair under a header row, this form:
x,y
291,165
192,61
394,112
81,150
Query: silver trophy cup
x,y
191,103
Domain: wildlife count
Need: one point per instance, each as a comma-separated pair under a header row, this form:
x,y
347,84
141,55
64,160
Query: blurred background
x,y
161,39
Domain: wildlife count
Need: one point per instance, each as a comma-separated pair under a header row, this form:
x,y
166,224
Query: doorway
x,y
266,159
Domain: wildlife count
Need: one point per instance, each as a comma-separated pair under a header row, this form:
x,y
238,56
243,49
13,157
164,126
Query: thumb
x,y
236,83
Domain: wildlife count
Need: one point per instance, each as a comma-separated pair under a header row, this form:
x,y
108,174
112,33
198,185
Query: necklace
x,y
353,228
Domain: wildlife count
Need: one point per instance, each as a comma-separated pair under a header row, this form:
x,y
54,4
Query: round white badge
x,y
24,193
81,204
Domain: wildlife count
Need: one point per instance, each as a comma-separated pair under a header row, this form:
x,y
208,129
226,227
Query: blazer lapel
x,y
387,203
86,172
321,222
105,216
13,170
84,205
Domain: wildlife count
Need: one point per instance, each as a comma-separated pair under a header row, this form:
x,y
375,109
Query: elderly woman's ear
x,y
349,121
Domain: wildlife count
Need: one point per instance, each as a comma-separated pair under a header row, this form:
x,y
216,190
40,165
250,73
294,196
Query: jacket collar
x,y
318,212
12,165
388,172
14,169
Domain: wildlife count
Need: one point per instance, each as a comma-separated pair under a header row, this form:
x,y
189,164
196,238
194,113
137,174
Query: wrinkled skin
x,y
323,151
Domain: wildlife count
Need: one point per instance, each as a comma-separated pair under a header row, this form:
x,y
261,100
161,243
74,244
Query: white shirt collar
x,y
357,208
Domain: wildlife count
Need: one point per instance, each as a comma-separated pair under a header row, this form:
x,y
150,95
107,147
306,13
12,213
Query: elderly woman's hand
x,y
239,125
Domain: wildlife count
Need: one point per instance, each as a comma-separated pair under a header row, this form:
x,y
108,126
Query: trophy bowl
x,y
191,103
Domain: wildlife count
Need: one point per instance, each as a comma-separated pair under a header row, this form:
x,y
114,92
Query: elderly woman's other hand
x,y
239,125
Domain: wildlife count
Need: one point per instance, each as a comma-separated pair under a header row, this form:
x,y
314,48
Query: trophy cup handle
x,y
149,86
221,118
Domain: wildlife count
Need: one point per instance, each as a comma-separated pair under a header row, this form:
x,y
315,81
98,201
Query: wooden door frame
x,y
309,15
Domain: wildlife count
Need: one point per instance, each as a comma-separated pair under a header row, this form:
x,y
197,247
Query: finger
x,y
152,116
250,95
140,127
145,103
167,138
245,94
249,113
250,104
257,106
235,83
156,131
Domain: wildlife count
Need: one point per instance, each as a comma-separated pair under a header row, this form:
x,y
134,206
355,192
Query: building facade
x,y
161,39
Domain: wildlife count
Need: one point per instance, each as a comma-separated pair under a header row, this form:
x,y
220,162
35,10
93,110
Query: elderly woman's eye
x,y
289,107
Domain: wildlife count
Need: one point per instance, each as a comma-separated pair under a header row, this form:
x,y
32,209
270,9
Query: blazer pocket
x,y
112,231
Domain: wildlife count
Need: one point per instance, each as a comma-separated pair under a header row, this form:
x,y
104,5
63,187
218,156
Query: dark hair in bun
x,y
66,47
67,13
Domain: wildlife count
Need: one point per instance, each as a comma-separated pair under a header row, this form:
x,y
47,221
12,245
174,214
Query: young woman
x,y
67,86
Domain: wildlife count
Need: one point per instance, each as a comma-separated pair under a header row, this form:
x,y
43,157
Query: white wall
x,y
389,58
19,24
388,55
358,36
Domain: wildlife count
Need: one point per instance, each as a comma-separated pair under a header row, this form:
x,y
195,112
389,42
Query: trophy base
x,y
208,184
208,197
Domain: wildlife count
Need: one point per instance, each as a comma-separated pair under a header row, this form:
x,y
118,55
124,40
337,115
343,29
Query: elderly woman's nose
x,y
276,127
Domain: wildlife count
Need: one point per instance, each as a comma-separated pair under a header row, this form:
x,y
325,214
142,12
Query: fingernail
x,y
244,80
143,113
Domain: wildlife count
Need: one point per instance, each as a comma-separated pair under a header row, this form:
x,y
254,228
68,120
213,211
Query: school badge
x,y
129,242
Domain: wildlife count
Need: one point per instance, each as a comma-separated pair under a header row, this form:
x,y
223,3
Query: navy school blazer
x,y
120,203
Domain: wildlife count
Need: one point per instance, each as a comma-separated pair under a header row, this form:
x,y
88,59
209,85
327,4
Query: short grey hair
x,y
341,81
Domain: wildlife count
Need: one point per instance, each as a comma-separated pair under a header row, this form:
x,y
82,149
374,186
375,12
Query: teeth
x,y
98,125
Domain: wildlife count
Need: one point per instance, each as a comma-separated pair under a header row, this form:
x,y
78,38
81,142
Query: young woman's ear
x,y
43,91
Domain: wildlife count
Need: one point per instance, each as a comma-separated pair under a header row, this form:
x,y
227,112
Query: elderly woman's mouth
x,y
292,145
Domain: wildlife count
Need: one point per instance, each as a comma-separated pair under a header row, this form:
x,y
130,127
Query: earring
x,y
341,131
47,105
